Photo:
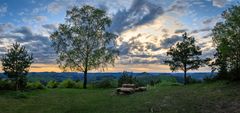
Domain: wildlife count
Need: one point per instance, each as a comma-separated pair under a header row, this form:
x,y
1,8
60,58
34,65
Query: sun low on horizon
x,y
146,29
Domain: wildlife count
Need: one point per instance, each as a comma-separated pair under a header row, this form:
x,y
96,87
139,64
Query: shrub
x,y
166,81
78,84
34,85
126,79
52,84
7,84
67,84
106,83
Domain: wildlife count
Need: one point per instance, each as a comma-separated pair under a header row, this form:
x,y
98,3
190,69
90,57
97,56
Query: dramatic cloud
x,y
152,46
140,12
37,44
168,42
207,29
181,31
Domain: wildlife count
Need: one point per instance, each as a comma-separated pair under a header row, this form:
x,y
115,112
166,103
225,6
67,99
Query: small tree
x,y
83,43
184,56
16,63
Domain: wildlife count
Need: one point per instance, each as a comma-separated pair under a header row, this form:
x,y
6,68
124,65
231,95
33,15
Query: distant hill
x,y
47,76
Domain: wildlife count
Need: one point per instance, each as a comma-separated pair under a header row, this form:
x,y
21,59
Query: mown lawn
x,y
216,97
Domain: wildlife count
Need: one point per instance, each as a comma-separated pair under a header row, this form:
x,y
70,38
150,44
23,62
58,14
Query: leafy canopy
x,y
185,55
16,61
226,36
83,43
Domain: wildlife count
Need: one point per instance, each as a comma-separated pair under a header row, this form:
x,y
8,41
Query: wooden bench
x,y
129,89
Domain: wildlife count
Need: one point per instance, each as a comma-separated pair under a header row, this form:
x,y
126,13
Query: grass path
x,y
197,98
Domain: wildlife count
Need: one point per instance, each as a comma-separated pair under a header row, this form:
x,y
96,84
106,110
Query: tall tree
x,y
16,63
83,43
226,36
184,56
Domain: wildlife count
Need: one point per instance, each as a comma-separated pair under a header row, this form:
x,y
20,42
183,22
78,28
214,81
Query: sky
x,y
146,28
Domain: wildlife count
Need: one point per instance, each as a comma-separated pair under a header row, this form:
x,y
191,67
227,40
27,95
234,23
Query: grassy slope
x,y
198,98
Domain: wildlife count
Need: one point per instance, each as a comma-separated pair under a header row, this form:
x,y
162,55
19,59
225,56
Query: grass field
x,y
216,97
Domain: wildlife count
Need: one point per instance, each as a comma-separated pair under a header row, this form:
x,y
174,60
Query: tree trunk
x,y
185,74
85,80
185,77
16,84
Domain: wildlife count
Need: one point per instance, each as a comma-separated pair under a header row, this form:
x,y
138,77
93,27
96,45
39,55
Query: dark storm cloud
x,y
37,44
201,30
208,21
136,52
50,26
140,12
26,31
168,42
152,46
181,30
133,44
143,59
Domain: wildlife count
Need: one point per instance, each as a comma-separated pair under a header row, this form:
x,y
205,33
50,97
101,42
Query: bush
x,y
52,84
7,84
67,84
126,79
106,83
78,84
35,85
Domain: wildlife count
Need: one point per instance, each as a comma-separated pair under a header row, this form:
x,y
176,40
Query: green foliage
x,y
168,79
35,85
67,84
52,84
78,84
145,80
106,83
193,98
226,38
165,81
83,43
185,56
125,78
7,84
16,63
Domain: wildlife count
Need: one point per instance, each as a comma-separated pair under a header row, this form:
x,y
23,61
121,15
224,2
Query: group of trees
x,y
83,43
226,37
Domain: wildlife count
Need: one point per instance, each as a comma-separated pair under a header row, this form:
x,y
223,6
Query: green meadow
x,y
217,97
